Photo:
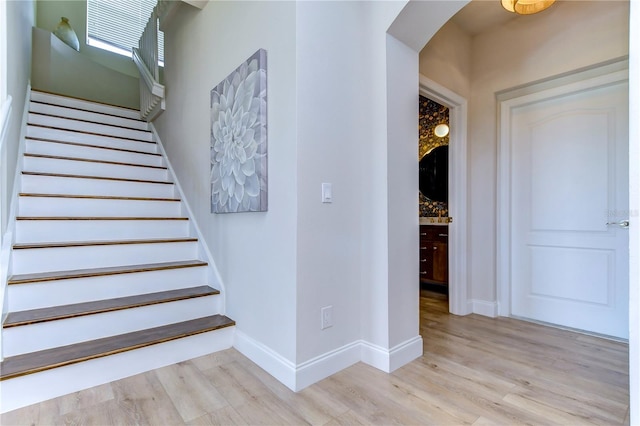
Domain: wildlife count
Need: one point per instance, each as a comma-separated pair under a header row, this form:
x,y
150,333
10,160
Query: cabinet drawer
x,y
434,233
434,253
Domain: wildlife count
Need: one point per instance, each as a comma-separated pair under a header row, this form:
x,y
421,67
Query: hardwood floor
x,y
475,370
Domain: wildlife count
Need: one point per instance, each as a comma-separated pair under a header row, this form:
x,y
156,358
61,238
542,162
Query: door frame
x,y
458,254
581,80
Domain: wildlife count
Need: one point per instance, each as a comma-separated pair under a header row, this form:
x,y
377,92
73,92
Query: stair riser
x,y
27,261
33,388
63,150
87,207
84,168
69,136
46,335
22,297
79,186
84,126
33,231
84,105
87,116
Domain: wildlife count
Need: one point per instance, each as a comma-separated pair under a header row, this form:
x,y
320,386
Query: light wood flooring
x,y
475,370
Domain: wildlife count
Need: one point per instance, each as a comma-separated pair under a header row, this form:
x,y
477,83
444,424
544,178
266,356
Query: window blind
x,y
119,23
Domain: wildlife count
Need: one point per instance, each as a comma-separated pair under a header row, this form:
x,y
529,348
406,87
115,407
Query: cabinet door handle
x,y
443,235
435,248
423,273
423,234
423,248
423,260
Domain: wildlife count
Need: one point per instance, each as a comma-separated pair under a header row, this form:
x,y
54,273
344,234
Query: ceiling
x,y
480,15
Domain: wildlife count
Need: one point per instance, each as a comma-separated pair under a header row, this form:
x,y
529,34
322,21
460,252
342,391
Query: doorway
x,y
457,197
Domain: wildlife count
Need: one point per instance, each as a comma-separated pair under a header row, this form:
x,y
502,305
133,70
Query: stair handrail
x,y
146,58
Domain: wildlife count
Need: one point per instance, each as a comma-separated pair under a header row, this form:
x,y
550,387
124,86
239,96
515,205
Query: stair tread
x,y
90,160
96,272
98,197
64,175
20,246
89,101
34,362
88,110
34,316
85,120
89,133
91,146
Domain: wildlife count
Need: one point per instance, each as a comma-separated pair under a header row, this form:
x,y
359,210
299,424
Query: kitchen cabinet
x,y
434,254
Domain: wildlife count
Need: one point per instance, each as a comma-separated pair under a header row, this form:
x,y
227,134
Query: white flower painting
x,y
239,139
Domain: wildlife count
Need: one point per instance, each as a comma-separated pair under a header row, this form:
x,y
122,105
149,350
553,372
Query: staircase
x,y
106,278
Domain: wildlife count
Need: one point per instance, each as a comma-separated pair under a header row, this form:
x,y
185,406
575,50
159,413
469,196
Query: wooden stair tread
x,y
89,160
97,272
84,120
45,92
34,362
63,175
33,138
98,218
21,246
84,132
98,197
34,316
88,110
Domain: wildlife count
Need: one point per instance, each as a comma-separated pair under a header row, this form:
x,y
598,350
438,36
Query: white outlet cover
x,y
326,317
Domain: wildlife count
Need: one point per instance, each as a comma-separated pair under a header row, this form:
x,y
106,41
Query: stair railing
x,y
146,58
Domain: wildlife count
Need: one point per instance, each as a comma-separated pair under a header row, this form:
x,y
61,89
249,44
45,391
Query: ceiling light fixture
x,y
526,7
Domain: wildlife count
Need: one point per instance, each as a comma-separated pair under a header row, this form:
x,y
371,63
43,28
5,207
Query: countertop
x,y
438,221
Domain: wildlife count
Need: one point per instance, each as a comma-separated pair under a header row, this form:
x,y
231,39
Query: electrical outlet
x,y
326,317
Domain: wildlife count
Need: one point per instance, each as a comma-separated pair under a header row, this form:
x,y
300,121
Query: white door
x,y
569,178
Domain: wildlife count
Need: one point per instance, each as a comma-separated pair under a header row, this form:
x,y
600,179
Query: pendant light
x,y
526,7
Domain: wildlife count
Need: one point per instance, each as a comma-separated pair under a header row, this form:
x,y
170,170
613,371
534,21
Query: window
x,y
117,25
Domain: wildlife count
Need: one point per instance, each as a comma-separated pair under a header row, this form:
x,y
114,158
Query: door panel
x,y
569,177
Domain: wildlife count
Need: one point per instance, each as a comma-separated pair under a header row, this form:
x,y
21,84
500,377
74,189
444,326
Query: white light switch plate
x,y
327,193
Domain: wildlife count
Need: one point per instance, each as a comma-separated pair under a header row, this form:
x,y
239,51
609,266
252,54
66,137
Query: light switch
x,y
327,195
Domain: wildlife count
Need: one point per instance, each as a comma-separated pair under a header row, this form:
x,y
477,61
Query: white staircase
x,y
106,276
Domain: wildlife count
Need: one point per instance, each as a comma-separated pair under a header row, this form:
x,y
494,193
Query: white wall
x,y
524,50
447,59
402,198
57,68
340,142
49,13
255,252
375,223
20,17
413,27
327,109
331,140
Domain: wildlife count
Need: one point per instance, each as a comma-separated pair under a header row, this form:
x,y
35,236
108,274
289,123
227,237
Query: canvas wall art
x,y
239,139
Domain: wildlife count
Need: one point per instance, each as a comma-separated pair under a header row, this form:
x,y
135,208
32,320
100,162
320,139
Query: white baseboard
x,y
298,377
269,360
485,308
327,364
389,360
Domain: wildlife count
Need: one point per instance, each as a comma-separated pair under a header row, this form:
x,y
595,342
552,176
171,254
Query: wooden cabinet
x,y
434,254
